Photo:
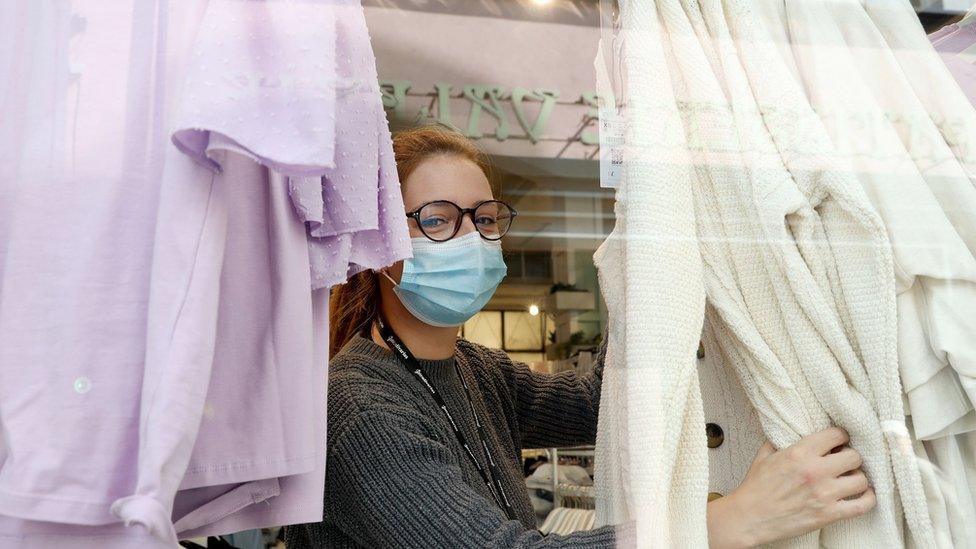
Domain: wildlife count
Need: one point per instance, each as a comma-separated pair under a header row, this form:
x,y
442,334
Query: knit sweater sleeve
x,y
400,487
553,410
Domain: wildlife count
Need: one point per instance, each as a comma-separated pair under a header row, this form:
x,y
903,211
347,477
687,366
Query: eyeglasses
x,y
441,220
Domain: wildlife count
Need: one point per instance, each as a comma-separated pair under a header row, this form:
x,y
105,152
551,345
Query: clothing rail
x,y
576,496
554,455
575,490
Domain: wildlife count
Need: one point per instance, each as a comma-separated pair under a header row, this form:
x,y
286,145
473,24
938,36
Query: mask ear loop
x,y
388,277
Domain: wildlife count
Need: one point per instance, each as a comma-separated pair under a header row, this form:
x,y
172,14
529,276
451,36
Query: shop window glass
x,y
485,328
523,331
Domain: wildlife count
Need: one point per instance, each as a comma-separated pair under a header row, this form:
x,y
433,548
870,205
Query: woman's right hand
x,y
790,492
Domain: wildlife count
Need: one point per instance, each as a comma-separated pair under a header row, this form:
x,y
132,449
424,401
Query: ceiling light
x,y
534,310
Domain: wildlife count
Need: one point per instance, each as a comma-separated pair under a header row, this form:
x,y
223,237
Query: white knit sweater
x,y
797,269
928,112
651,462
829,305
877,121
925,222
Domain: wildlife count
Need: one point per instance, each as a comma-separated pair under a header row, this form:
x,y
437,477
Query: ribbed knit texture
x,y
838,306
396,475
797,269
651,460
926,200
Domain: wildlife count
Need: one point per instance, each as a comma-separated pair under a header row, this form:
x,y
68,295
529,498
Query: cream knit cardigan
x,y
797,270
907,169
652,467
937,125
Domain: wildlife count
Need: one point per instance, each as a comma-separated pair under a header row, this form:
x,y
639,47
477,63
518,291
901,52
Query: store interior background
x,y
489,68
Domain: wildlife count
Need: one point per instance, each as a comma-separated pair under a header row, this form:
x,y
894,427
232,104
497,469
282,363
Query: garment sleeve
x,y
555,410
395,485
951,325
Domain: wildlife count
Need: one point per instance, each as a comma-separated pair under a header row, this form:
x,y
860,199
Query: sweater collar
x,y
434,369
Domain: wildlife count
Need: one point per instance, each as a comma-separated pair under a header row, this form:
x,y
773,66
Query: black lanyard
x,y
413,366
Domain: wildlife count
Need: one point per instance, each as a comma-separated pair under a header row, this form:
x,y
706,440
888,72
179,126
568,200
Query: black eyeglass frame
x,y
415,215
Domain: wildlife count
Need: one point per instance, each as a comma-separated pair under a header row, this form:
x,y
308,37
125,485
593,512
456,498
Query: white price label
x,y
612,139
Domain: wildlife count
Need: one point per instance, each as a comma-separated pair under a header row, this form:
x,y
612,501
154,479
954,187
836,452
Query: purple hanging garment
x,y
124,261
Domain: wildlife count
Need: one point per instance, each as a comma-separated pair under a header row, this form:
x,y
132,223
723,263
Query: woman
x,y
423,443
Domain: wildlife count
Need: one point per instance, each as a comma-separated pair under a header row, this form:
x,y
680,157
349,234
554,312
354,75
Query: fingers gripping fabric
x,y
795,261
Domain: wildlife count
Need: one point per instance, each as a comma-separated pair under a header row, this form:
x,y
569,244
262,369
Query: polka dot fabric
x,y
326,131
354,211
262,76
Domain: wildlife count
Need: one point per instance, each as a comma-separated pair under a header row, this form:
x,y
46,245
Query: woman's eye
x,y
432,222
486,220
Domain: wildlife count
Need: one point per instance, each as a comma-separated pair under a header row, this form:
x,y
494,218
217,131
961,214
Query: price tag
x,y
612,140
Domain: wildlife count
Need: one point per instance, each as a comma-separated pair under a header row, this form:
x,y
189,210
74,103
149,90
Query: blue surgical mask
x,y
446,283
